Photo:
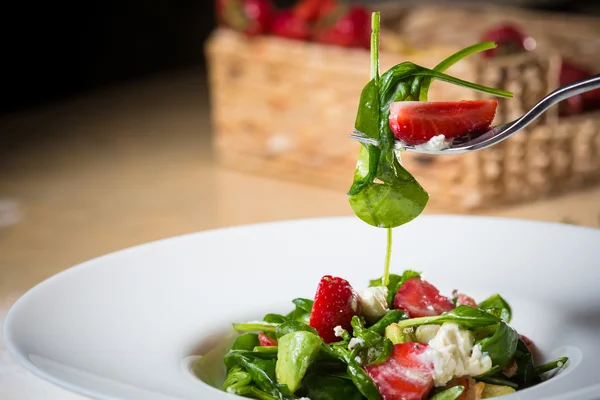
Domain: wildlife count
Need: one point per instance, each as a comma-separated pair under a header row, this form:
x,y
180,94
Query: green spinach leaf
x,y
465,316
449,394
502,345
329,387
246,341
389,318
497,302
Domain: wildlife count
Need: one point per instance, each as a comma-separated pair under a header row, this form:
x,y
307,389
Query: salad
x,y
400,338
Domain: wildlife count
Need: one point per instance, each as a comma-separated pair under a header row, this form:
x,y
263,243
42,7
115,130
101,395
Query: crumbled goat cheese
x,y
453,354
373,303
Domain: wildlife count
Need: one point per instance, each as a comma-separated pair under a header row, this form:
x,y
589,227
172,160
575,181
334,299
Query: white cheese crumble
x,y
436,143
355,341
373,303
338,331
453,355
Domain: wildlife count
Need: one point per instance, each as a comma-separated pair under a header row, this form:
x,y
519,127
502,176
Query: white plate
x,y
121,326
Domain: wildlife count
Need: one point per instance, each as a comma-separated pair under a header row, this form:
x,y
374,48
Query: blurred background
x,y
123,122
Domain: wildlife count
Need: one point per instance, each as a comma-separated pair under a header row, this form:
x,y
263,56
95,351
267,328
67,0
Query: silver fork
x,y
501,132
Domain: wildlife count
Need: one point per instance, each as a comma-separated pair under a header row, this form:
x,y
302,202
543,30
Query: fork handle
x,y
560,94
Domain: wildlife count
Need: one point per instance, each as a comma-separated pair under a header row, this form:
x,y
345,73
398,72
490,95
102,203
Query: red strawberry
x,y
421,299
406,375
349,27
335,304
463,299
252,17
288,25
416,122
509,39
265,340
570,73
310,10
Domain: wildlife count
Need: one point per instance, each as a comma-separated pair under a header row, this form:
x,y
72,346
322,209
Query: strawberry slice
x,y
421,299
416,122
335,304
406,375
265,340
463,299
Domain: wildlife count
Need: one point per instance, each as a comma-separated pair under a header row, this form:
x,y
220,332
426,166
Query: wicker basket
x,y
284,108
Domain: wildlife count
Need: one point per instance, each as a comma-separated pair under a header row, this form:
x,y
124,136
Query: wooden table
x,y
133,164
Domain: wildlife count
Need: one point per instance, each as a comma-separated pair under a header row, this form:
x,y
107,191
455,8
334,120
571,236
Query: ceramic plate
x,y
124,326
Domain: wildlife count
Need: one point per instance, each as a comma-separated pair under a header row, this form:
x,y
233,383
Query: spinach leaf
x,y
450,61
293,326
236,379
496,380
465,316
357,374
389,318
371,347
247,341
255,326
389,205
502,345
549,366
302,311
328,387
449,394
526,374
395,282
497,302
362,381
297,350
261,367
275,318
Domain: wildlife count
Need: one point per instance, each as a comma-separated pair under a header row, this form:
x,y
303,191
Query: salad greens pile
x,y
302,365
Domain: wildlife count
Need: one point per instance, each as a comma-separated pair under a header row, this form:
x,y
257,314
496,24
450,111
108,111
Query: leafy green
x,y
354,370
274,318
450,61
293,326
559,363
395,282
261,368
371,347
495,380
329,387
463,315
246,341
502,345
449,394
389,318
498,303
302,311
399,198
255,326
526,374
297,350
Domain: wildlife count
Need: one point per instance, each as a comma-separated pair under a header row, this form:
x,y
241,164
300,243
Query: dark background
x,y
52,50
